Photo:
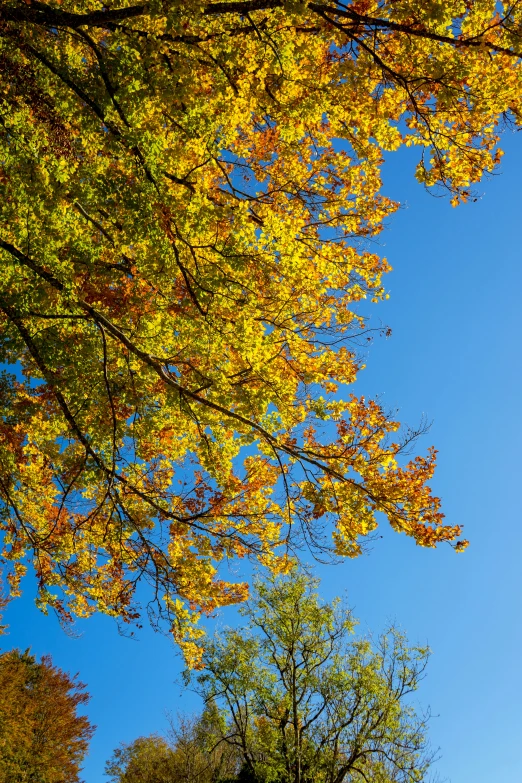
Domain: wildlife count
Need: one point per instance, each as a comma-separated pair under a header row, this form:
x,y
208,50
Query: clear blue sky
x,y
455,357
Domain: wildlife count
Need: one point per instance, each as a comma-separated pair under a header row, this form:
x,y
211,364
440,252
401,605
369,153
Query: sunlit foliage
x,y
187,190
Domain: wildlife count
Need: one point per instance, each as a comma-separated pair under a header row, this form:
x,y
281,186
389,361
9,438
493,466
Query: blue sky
x,y
454,357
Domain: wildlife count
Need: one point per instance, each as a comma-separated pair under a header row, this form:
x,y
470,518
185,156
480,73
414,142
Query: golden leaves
x,y
180,283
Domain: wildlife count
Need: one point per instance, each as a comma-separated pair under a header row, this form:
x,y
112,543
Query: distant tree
x,y
42,737
193,753
146,760
201,755
306,702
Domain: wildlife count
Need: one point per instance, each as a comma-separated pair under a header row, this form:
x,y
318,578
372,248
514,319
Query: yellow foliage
x,y
186,191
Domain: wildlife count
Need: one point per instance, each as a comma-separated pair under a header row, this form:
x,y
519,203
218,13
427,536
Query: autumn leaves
x,y
181,271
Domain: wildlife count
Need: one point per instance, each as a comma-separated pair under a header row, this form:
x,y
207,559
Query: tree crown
x,y
187,191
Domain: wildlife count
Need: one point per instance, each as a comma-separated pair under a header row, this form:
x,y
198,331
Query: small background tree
x,y
193,753
146,760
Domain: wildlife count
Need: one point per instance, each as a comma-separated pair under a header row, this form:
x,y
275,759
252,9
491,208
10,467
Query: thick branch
x,y
373,23
242,8
40,13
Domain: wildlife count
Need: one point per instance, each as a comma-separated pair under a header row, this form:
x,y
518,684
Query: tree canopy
x,y
188,191
42,737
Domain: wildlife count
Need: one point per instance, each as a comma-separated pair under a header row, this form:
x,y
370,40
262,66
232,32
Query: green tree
x,y
43,739
306,702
